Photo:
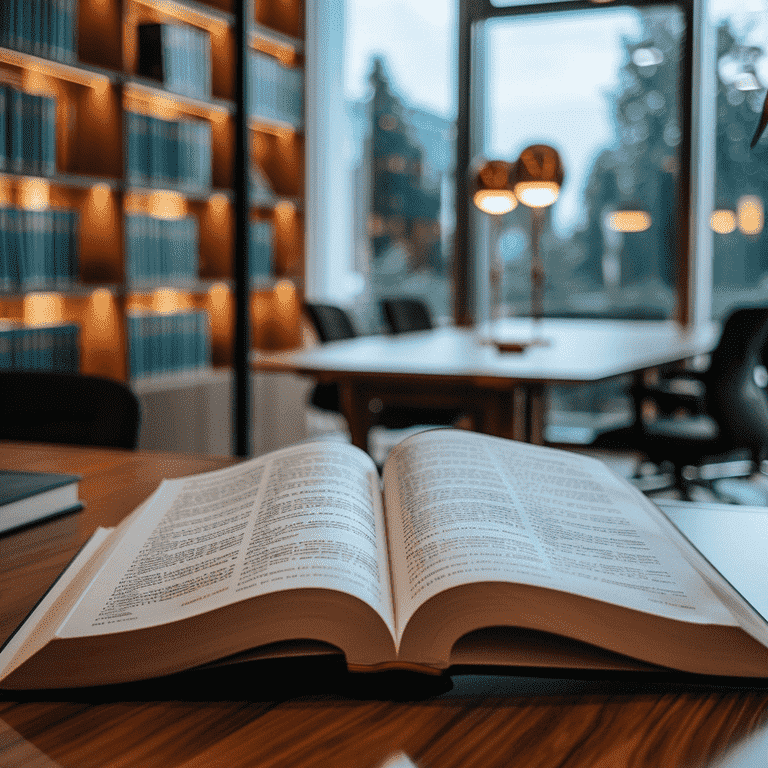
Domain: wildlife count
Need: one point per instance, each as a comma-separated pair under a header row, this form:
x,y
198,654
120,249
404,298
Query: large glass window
x,y
740,266
399,88
603,87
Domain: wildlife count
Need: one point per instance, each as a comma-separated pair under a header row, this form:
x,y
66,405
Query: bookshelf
x,y
145,168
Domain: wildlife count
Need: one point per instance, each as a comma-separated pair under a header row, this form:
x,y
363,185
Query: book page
x,y
464,507
309,516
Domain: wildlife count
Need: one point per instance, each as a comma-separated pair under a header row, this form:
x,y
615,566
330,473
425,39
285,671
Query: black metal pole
x,y
241,411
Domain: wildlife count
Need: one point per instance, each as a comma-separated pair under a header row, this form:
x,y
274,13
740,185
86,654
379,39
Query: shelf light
x,y
167,205
168,300
34,194
43,308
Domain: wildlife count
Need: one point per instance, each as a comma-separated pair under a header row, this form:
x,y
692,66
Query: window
x,y
394,148
602,86
740,247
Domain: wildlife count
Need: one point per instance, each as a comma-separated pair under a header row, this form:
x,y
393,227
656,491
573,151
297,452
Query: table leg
x,y
354,406
535,413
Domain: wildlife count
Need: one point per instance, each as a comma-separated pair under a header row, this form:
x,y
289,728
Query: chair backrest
x,y
331,323
44,407
737,379
406,314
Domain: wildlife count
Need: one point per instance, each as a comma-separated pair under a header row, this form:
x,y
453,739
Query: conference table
x,y
488,721
504,391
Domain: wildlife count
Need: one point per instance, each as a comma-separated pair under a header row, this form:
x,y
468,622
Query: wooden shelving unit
x,y
93,94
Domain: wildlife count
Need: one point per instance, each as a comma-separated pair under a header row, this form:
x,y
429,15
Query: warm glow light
x,y
495,202
102,325
284,210
5,191
218,204
43,308
168,300
167,205
629,221
37,82
34,194
100,198
750,214
723,221
285,292
537,194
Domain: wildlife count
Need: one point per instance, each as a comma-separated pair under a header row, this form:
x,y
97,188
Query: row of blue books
x,y
261,261
168,343
160,249
178,55
275,92
39,348
168,152
38,248
40,27
27,132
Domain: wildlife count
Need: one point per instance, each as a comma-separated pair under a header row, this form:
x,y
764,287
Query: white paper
x,y
467,508
307,516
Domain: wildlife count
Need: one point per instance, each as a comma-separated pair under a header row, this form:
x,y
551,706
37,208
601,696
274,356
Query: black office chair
x,y
724,434
403,315
334,324
37,406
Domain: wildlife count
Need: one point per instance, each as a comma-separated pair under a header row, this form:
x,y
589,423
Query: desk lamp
x,y
491,187
539,178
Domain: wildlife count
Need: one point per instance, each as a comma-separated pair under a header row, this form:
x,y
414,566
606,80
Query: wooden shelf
x,y
93,95
190,12
265,39
141,88
79,74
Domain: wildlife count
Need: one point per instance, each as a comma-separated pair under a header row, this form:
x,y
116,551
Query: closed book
x,y
26,497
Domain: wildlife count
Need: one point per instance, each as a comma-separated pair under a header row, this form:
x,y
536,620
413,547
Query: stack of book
x,y
276,93
38,248
168,343
40,27
168,152
160,249
260,250
28,143
39,348
178,55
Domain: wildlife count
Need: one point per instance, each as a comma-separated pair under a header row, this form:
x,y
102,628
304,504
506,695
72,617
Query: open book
x,y
478,551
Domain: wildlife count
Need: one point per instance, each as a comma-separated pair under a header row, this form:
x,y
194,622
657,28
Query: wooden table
x,y
483,721
459,367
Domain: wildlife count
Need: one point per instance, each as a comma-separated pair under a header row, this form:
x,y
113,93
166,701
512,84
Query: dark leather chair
x,y
720,433
37,406
403,315
333,324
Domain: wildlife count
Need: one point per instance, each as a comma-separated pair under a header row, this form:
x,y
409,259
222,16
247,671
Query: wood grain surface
x,y
237,719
